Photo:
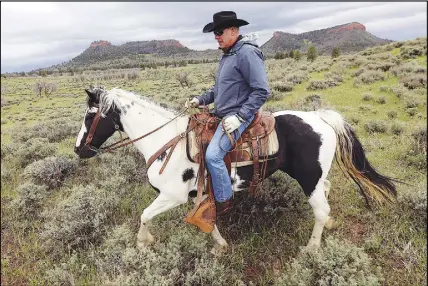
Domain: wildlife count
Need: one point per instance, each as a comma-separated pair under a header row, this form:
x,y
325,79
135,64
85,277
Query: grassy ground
x,y
265,234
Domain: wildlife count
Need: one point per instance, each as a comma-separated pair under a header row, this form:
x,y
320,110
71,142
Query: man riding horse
x,y
240,89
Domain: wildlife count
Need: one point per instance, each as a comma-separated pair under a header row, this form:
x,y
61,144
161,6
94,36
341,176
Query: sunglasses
x,y
219,32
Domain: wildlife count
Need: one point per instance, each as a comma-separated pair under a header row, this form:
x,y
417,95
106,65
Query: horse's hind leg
x,y
161,204
321,209
220,246
331,223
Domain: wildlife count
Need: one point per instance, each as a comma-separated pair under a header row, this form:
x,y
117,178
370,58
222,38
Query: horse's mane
x,y
110,99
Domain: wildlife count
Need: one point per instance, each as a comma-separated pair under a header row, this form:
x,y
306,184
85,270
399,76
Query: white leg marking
x,y
161,204
321,210
220,246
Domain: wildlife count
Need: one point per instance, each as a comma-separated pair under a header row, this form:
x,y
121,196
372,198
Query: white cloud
x,y
35,34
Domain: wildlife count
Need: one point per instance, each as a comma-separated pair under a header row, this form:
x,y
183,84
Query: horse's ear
x,y
90,93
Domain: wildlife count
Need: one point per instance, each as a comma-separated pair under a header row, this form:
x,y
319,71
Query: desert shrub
x,y
182,259
297,77
334,76
376,126
276,96
313,101
367,96
336,263
360,61
59,276
50,171
321,84
133,75
414,201
29,200
80,218
183,79
358,72
411,101
414,81
276,107
419,137
365,107
408,68
54,130
412,111
371,77
398,90
397,127
416,153
411,52
130,168
382,66
381,100
318,67
392,114
33,150
283,86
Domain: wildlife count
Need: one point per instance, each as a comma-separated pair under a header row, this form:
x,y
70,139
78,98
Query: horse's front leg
x,y
161,204
220,246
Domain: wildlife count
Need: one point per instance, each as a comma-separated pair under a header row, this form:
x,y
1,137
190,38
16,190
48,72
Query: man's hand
x,y
194,102
231,123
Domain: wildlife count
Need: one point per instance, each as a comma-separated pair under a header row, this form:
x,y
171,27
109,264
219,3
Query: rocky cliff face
x,y
349,37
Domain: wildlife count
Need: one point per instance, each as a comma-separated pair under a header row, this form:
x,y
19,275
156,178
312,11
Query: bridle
x,y
110,148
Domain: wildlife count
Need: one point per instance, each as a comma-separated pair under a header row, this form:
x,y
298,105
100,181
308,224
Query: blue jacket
x,y
241,85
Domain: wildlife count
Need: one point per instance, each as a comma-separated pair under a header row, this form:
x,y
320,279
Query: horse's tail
x,y
351,158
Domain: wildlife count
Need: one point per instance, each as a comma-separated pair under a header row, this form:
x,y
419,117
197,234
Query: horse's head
x,y
98,124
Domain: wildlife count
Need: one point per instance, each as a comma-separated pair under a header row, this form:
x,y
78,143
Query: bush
x,y
181,260
54,130
412,111
50,171
133,75
408,68
414,81
183,79
297,77
33,150
79,219
381,100
411,101
392,114
334,76
276,96
367,96
29,200
336,263
397,127
398,90
359,72
376,126
283,86
371,77
414,201
321,84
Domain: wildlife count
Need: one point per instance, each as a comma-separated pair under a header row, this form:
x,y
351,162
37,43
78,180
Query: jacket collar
x,y
237,44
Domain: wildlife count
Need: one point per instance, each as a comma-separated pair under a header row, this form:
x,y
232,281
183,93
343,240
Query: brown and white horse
x,y
308,143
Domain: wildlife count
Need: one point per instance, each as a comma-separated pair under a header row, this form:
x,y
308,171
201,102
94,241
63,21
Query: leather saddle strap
x,y
201,181
171,144
255,181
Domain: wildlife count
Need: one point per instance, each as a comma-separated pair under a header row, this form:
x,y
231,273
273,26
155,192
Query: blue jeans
x,y
217,149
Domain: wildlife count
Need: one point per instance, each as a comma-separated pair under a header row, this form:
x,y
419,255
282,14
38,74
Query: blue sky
x,y
35,35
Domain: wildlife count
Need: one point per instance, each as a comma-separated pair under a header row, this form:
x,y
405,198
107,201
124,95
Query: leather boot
x,y
223,207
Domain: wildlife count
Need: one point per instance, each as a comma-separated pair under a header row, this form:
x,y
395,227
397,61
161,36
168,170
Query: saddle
x,y
258,143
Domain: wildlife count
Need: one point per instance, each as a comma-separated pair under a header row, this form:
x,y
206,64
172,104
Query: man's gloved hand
x,y
231,123
194,102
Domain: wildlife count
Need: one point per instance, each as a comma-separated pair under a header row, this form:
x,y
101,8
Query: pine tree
x,y
335,53
312,53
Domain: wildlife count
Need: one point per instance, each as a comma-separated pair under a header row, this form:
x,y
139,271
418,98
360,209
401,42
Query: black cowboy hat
x,y
222,20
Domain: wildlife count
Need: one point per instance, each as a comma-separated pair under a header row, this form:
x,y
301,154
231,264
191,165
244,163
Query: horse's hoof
x,y
310,247
218,250
331,223
143,243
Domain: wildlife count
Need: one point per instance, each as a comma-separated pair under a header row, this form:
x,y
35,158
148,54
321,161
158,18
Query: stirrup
x,y
204,217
